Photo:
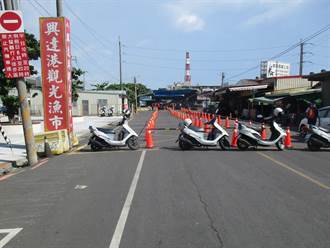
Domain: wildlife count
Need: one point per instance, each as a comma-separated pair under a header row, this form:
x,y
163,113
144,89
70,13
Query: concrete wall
x,y
292,83
93,98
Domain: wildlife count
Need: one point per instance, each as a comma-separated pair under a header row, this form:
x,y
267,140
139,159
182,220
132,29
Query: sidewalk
x,y
15,134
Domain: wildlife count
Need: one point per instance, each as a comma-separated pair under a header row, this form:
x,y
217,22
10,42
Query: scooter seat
x,y
106,130
324,130
195,129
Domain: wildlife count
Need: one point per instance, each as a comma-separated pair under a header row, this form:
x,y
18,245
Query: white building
x,y
88,102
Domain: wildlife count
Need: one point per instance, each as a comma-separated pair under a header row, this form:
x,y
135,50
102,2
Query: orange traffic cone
x,y
219,120
149,141
234,138
227,125
287,140
263,132
200,123
206,128
196,122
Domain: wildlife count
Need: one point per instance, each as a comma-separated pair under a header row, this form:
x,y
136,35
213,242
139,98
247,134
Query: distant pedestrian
x,y
312,114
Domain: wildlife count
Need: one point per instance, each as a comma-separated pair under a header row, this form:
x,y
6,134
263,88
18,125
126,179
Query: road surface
x,y
166,197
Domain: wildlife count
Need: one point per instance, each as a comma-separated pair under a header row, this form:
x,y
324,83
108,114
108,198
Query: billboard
x,y
56,73
14,50
270,69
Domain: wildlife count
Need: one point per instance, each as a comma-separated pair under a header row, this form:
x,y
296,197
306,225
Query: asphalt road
x,y
166,197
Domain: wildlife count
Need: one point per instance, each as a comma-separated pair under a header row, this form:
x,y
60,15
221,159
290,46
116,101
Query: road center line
x,y
116,238
295,171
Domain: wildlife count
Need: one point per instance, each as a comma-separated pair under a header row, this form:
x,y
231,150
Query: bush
x,y
12,105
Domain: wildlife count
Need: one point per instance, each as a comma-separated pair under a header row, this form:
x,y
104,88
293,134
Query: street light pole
x,y
25,111
135,93
120,73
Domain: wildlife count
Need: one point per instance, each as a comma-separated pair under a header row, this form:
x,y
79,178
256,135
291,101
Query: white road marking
x,y
78,186
11,234
116,238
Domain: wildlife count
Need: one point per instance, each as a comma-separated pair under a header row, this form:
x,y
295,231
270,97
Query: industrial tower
x,y
187,76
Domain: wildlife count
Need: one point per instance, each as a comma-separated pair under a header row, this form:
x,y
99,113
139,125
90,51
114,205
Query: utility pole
x,y
120,73
135,93
59,8
8,4
301,62
25,111
222,78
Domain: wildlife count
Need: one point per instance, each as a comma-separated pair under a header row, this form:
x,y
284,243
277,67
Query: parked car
x,y
323,120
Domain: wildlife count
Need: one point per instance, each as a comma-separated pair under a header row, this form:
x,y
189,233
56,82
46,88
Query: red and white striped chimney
x,y
187,76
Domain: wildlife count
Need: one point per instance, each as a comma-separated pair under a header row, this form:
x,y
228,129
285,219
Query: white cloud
x,y
189,15
184,16
273,12
190,22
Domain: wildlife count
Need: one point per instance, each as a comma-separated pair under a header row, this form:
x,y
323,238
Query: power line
x,y
204,51
180,60
41,6
322,30
178,68
88,27
87,55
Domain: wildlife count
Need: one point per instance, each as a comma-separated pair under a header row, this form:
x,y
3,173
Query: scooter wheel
x,y
95,148
280,145
224,144
133,143
312,146
184,145
242,144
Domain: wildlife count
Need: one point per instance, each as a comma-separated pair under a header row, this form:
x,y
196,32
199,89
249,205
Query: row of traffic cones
x,y
198,118
151,125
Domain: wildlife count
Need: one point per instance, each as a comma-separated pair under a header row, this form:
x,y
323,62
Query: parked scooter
x,y
120,136
251,137
191,136
104,111
317,138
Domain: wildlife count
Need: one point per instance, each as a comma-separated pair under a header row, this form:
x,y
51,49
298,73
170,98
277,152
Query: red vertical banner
x,y
69,70
55,62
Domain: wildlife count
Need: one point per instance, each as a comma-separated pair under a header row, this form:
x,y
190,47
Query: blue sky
x,y
222,36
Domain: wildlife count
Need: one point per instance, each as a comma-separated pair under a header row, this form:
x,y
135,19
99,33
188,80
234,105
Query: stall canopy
x,y
307,95
265,100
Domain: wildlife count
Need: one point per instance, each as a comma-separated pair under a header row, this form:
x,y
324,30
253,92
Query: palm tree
x,y
100,86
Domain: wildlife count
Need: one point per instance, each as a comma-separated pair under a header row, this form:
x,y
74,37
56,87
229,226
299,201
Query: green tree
x,y
130,90
10,102
100,86
77,83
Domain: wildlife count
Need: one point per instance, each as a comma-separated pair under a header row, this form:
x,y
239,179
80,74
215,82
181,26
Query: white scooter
x,y
317,138
108,138
251,137
191,136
